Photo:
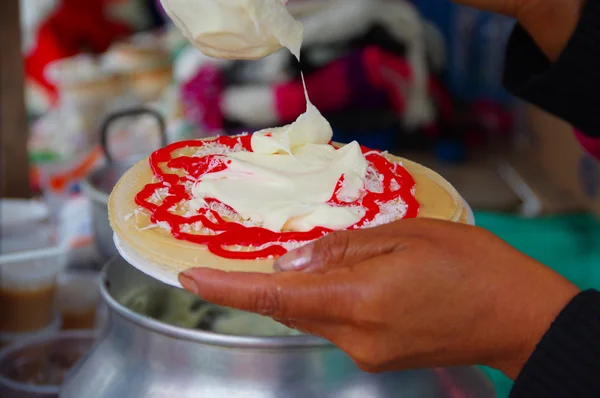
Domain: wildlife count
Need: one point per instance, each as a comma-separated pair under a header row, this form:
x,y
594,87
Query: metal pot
x,y
141,357
98,184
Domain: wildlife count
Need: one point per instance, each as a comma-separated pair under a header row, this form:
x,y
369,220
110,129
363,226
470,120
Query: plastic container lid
x,y
32,269
17,211
24,225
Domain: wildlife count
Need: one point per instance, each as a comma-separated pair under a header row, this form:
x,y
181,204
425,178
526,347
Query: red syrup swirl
x,y
230,233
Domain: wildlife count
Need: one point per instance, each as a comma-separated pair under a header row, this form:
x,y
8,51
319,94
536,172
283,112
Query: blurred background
x,y
105,82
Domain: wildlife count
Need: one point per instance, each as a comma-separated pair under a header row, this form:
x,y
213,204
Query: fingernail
x,y
188,283
295,260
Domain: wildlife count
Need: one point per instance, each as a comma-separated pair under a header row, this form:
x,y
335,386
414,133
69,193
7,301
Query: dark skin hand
x,y
411,294
416,293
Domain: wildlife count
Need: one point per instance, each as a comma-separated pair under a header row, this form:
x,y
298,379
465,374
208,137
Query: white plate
x,y
471,218
169,277
148,268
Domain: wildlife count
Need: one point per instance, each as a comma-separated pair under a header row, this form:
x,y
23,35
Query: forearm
x,y
551,23
568,87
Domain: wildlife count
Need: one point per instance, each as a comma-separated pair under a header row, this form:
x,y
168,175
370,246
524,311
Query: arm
x,y
566,362
567,85
553,59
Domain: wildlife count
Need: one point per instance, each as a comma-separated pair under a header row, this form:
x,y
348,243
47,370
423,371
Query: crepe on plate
x,y
437,199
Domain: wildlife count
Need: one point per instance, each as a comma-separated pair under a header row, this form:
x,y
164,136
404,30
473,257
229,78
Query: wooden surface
x,y
14,166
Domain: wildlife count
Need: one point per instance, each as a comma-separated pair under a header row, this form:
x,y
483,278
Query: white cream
x,y
236,29
285,183
310,128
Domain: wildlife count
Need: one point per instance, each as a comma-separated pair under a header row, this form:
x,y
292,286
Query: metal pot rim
x,y
90,188
210,338
92,192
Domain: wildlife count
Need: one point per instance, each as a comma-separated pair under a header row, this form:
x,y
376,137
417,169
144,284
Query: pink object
x,y
328,88
390,73
591,145
370,72
202,96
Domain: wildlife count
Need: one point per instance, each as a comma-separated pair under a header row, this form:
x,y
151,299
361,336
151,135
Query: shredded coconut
x,y
128,216
135,212
373,181
197,229
390,211
159,195
214,148
292,245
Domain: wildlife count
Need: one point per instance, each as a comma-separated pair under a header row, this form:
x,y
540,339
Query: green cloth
x,y
570,245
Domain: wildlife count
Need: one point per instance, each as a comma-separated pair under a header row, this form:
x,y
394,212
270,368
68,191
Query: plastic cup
x,y
33,252
78,299
27,288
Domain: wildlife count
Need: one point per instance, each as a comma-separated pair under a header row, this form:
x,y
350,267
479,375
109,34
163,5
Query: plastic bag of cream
x,y
236,29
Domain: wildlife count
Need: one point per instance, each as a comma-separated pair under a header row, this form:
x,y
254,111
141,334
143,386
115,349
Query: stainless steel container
x,y
99,183
141,357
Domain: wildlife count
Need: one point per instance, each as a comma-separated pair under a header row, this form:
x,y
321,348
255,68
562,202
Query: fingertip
x,y
295,260
188,283
197,280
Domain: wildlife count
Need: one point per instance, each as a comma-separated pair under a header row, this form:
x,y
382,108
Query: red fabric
x,y
328,88
201,96
591,145
331,90
75,26
390,73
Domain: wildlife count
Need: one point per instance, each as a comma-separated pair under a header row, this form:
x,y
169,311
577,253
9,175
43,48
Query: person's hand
x,y
549,22
411,294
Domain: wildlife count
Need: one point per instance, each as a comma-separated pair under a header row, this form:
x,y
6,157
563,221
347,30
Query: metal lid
x,y
99,183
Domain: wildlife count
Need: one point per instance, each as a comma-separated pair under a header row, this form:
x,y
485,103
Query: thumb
x,y
340,249
283,296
